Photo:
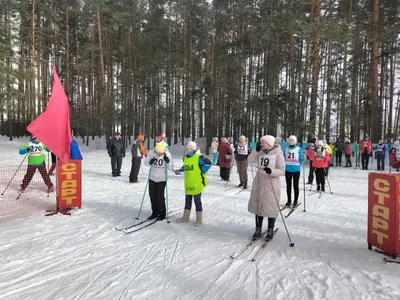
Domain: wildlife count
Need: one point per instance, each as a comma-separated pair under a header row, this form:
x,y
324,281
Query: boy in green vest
x,y
195,167
36,160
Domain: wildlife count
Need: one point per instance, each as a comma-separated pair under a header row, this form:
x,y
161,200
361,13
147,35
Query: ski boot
x,y
270,234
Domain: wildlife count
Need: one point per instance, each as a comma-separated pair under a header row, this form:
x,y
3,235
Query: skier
x,y
160,139
332,145
116,151
138,151
347,153
214,149
380,155
266,187
293,157
310,150
36,161
366,151
224,159
195,167
339,152
320,160
242,152
53,164
160,160
394,156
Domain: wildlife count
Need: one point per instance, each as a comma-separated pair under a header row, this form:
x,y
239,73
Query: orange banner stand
x,y
384,212
69,186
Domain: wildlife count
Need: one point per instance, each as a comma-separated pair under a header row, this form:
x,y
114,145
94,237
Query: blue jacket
x,y
204,163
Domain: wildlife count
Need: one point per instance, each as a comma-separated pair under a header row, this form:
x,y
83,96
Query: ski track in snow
x,y
83,257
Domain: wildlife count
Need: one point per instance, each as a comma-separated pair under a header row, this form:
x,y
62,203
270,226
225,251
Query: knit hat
x,y
191,145
224,140
346,140
160,138
160,147
324,141
396,144
140,138
269,139
367,136
242,138
320,143
294,138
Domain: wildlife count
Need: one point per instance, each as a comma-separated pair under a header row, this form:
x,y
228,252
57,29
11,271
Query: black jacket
x,y
116,148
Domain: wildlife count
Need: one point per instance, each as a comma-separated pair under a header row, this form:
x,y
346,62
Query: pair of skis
x,y
291,209
136,227
391,260
250,244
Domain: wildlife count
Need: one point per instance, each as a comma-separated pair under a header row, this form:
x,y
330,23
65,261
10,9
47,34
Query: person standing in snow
x,y
195,167
138,151
36,161
394,155
366,151
266,187
159,159
380,154
310,151
242,153
232,145
339,152
347,153
116,151
293,158
320,158
53,164
224,159
214,150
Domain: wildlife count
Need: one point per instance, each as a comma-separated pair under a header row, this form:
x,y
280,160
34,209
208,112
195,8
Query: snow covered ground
x,y
84,257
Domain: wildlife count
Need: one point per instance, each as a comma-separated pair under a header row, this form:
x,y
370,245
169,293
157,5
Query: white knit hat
x,y
269,139
242,138
224,140
396,144
320,143
294,138
191,145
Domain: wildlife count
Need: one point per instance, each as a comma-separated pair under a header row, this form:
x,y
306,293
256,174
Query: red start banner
x,y
384,212
69,187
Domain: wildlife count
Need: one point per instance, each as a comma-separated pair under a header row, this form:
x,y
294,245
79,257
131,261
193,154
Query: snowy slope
x,y
84,257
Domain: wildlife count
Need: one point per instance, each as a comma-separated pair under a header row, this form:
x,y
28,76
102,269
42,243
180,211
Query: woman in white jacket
x,y
160,161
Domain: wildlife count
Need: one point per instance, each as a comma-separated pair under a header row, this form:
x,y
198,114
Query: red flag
x,y
52,127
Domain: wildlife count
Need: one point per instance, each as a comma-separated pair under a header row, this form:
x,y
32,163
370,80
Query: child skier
x,y
293,157
394,156
195,167
159,159
242,152
266,187
347,153
36,161
310,151
380,155
320,160
366,151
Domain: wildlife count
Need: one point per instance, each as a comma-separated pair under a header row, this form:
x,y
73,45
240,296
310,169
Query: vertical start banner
x,y
69,187
384,212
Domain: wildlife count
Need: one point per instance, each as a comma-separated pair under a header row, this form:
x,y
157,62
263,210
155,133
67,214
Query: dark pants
x,y
242,168
116,162
380,160
296,177
311,174
348,160
136,162
31,171
197,202
53,167
224,173
338,157
320,174
157,199
259,221
365,161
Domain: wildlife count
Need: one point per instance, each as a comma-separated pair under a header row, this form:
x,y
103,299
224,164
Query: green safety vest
x,y
195,180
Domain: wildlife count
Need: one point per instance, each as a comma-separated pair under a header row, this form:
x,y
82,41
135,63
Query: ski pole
x,y
284,223
304,186
327,179
15,173
166,189
144,193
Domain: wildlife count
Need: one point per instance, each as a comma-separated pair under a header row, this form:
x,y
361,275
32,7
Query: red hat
x,y
160,138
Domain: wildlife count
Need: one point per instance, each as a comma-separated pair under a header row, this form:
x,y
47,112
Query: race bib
x,y
38,149
243,150
266,160
292,156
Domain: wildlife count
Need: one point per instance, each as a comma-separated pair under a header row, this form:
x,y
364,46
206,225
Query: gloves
x,y
30,148
267,170
166,159
258,147
153,160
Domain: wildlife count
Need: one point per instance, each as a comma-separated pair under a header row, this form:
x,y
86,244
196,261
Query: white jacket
x,y
158,168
